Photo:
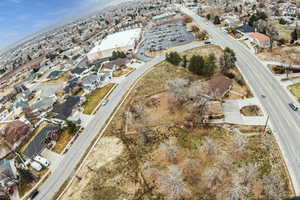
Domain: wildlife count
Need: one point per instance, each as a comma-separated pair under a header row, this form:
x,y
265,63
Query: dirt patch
x,y
251,111
107,149
282,54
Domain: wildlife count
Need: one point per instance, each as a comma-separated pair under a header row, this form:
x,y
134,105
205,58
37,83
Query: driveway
x,y
53,158
231,109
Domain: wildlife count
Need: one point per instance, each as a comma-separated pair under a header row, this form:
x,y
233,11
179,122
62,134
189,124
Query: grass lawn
x,y
96,97
285,34
295,90
62,142
25,187
125,71
58,80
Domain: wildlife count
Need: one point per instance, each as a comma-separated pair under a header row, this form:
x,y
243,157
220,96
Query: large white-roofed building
x,y
122,41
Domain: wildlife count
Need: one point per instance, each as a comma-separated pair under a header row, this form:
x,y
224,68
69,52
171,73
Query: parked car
x,y
207,42
295,108
33,194
36,166
42,160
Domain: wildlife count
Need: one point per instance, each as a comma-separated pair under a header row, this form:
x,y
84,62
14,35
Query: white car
x,y
104,102
42,160
36,166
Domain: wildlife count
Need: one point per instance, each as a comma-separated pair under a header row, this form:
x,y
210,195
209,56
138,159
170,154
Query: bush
x,y
229,75
173,58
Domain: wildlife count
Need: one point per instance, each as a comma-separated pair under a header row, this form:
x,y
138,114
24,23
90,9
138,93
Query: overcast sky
x,y
20,18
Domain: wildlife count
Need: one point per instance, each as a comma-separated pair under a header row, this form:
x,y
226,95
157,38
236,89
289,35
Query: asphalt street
x,y
284,121
72,158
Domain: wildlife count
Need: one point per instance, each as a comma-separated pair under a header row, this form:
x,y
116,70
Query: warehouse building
x,y
125,41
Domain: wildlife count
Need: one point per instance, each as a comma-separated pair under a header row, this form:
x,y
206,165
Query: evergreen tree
x,y
196,65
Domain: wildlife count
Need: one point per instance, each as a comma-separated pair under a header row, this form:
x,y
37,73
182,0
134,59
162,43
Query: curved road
x,y
284,121
67,166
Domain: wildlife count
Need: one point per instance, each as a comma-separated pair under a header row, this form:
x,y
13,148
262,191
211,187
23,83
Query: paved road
x,y
66,168
284,121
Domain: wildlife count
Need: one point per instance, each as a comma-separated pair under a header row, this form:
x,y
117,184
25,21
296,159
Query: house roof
x,y
45,103
90,79
4,149
220,84
20,104
246,28
78,70
13,131
71,84
64,110
262,38
118,62
54,74
5,170
38,143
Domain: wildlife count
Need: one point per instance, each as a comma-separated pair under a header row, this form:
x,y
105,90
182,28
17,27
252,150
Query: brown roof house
x,y
261,40
13,135
219,85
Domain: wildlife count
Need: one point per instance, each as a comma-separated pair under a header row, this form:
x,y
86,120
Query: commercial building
x,y
125,41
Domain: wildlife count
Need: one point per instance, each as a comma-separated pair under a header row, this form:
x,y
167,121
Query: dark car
x,y
207,42
33,194
295,108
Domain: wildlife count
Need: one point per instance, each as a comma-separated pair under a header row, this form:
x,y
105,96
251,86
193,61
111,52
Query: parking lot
x,y
163,37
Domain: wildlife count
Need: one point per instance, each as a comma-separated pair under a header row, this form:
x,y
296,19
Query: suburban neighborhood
x,y
183,99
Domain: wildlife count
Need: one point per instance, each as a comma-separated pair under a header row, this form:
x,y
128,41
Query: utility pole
x,y
266,123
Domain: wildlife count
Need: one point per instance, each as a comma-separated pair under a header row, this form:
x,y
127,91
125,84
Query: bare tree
x,y
237,192
225,161
169,151
138,112
240,143
209,146
171,184
273,187
177,88
248,173
213,177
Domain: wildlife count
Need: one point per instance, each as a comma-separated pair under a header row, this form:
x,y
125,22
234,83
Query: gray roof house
x,y
40,141
91,82
64,110
6,172
44,104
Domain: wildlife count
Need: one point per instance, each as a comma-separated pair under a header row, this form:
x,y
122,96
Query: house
x,y
44,137
259,39
64,110
91,82
220,85
7,175
43,104
116,64
54,74
79,71
246,28
5,149
73,86
3,113
14,134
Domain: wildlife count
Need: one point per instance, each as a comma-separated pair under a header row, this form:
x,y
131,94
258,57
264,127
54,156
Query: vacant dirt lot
x,y
164,158
282,54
